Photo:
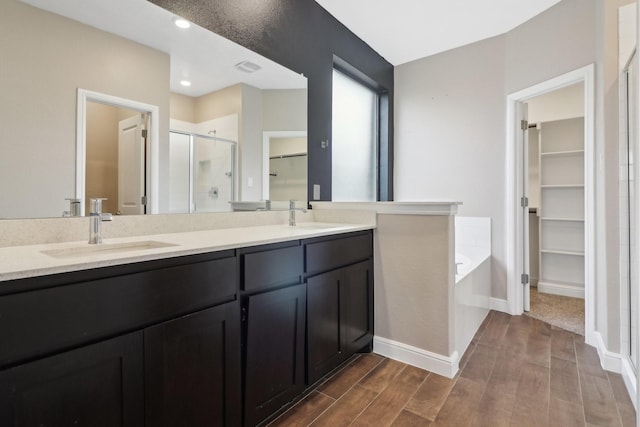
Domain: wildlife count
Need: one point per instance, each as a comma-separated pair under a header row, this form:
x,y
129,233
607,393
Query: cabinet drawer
x,y
272,267
329,254
40,322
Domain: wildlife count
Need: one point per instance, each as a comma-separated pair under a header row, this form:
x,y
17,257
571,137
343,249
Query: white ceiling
x,y
197,54
406,30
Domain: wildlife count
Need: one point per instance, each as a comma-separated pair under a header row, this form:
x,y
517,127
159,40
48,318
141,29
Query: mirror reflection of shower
x,y
201,172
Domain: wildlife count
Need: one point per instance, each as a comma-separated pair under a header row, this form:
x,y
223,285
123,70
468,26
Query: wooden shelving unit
x,y
562,207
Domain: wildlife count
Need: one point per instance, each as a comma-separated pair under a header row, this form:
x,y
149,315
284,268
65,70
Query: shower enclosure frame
x,y
234,163
630,216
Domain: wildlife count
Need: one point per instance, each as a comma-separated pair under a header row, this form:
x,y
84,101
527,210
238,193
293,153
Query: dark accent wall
x,y
302,36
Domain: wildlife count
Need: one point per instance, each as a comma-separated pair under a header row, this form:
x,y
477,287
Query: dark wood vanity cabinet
x,y
151,344
274,372
96,385
192,369
274,313
226,338
340,302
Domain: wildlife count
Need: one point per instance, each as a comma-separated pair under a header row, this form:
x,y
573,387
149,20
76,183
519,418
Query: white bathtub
x,y
472,279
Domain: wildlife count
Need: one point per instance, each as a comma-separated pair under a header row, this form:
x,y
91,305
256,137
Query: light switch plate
x,y
316,191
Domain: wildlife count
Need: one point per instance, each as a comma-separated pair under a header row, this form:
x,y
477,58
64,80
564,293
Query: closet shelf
x,y
557,252
562,153
547,218
561,231
562,186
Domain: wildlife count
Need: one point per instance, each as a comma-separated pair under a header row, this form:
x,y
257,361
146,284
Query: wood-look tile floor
x,y
518,371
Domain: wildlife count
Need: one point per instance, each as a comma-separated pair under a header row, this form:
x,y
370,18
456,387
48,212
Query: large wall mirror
x,y
81,79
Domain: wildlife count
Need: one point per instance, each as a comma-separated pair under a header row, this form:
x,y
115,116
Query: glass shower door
x,y
201,173
213,161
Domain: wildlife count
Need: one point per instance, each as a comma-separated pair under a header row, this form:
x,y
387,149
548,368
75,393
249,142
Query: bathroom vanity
x,y
184,337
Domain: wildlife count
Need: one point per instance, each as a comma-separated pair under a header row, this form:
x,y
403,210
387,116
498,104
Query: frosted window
x,y
354,147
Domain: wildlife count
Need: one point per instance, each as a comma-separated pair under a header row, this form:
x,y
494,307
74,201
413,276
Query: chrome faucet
x,y
292,212
95,221
74,207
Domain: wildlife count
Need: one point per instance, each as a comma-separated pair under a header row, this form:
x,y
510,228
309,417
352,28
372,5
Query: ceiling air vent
x,y
247,66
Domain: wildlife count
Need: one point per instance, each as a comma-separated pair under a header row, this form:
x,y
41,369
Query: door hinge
x,y
143,200
524,125
524,202
524,278
144,133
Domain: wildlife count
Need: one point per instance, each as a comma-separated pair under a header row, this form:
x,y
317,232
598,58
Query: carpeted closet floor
x,y
563,312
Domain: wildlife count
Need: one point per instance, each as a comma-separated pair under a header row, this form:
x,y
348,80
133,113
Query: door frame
x,y
514,186
153,143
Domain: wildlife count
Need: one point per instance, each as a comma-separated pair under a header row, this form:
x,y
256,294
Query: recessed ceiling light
x,y
247,66
185,83
181,23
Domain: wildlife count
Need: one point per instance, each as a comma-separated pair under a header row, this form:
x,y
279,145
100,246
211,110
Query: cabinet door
x,y
274,372
97,385
358,301
192,369
324,329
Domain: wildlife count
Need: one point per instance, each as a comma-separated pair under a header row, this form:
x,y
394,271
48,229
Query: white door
x,y
526,273
131,166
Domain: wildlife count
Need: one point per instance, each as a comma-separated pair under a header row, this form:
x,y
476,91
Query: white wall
x,y
450,113
450,126
565,103
449,135
38,109
251,144
284,146
284,109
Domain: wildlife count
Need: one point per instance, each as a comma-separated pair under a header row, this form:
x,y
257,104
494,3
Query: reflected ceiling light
x,y
181,23
185,83
247,66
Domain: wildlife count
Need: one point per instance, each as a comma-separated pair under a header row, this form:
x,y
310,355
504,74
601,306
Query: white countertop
x,y
20,262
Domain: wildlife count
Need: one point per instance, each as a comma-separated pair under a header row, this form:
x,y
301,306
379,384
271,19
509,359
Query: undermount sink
x,y
106,248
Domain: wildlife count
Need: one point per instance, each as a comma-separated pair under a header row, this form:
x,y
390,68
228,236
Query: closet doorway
x,y
554,177
517,211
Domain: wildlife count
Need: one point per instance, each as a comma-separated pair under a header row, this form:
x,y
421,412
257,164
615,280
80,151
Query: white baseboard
x,y
608,360
498,304
414,356
561,289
